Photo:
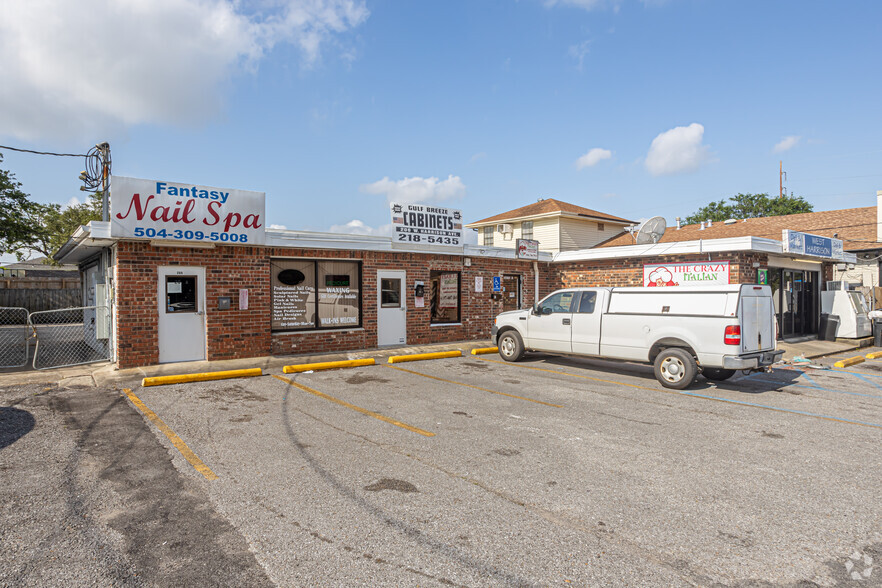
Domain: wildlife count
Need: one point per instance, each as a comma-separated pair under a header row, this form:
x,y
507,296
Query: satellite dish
x,y
652,230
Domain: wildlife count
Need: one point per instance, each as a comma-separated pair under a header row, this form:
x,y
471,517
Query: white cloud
x,y
593,157
357,227
416,189
679,150
81,69
579,52
74,201
787,143
277,227
478,156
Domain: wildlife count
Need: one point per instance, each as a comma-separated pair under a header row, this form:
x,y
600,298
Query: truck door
x,y
551,328
757,319
586,323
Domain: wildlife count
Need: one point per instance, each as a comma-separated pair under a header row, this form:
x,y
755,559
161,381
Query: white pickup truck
x,y
682,331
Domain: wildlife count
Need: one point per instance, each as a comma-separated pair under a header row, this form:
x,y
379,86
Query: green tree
x,y
743,206
27,226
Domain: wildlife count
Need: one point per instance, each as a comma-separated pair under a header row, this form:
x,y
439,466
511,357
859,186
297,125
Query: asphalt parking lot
x,y
553,471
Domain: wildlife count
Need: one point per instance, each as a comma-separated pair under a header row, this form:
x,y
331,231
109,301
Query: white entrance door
x,y
181,296
392,308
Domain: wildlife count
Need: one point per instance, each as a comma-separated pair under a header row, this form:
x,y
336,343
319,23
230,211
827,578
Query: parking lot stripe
x,y
695,395
363,411
394,367
179,444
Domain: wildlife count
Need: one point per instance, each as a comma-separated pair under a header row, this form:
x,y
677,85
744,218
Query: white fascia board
x,y
99,230
311,240
560,213
500,253
676,248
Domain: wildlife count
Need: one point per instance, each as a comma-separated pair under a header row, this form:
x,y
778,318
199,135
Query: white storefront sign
x,y
449,295
808,244
432,225
528,249
157,209
686,274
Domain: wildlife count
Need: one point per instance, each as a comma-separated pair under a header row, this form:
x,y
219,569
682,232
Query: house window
x,y
309,294
527,230
600,226
445,300
488,235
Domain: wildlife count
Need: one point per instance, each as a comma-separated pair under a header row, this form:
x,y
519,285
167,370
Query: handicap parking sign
x,y
497,284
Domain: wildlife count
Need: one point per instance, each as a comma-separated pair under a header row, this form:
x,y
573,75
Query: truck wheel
x,y
717,374
675,368
511,346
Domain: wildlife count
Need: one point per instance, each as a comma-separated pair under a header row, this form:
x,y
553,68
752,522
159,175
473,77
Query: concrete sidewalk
x,y
106,374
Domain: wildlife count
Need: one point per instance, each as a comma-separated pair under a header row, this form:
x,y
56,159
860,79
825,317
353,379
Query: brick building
x,y
298,292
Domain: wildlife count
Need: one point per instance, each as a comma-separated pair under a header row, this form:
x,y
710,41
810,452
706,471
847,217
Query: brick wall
x,y
629,271
237,333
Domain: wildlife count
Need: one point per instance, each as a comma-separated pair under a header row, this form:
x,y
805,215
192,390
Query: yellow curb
x,y
184,378
422,356
847,362
874,355
483,350
326,365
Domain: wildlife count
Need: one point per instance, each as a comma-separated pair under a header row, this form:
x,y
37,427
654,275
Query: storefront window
x,y
445,304
315,294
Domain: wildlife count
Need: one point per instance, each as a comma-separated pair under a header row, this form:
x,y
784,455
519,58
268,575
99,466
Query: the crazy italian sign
x,y
157,209
686,274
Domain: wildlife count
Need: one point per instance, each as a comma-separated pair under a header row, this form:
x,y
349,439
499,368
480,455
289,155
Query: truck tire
x,y
717,374
675,368
511,346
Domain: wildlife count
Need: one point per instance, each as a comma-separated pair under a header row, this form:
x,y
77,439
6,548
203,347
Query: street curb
x,y
326,365
483,350
203,377
422,356
850,361
874,355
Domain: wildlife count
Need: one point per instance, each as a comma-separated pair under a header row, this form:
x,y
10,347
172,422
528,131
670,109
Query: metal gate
x,y
72,336
13,337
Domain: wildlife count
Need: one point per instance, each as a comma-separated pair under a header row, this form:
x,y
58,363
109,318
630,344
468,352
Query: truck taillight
x,y
732,336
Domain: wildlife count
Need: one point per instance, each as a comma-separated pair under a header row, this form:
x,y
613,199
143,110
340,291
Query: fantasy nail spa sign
x,y
157,209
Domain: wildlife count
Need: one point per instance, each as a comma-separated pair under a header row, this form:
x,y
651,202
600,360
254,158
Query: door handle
x,y
566,321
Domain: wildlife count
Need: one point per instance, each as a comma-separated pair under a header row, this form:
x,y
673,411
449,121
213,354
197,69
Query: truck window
x,y
559,302
588,301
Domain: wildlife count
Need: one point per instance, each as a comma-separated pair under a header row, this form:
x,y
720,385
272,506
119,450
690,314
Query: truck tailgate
x,y
757,323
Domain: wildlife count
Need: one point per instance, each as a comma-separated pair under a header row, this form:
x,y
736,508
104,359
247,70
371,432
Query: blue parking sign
x,y
497,284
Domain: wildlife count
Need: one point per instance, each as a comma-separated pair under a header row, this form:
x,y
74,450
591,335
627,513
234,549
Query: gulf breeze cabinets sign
x,y
686,274
814,245
157,209
418,223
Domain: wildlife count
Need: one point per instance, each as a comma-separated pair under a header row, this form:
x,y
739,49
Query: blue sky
x,y
335,107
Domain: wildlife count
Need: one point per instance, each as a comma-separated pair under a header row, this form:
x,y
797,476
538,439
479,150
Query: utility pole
x,y
781,175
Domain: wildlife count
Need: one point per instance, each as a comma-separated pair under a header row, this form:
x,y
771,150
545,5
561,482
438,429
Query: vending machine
x,y
851,307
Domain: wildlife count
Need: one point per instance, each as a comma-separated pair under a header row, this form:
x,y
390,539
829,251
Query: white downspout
x,y
536,282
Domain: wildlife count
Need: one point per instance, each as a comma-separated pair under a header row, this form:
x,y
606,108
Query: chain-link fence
x,y
13,337
72,336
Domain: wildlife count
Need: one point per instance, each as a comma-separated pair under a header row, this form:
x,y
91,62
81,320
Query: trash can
x,y
822,326
877,332
832,327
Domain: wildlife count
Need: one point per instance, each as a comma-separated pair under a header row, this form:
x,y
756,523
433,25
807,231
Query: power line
x,y
42,152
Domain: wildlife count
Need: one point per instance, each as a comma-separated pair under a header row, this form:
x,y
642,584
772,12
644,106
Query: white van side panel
x,y
657,301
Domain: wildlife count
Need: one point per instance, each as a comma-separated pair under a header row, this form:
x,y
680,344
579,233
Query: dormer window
x,y
600,226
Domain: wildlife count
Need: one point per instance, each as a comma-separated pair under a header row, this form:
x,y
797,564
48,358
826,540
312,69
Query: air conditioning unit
x,y
504,229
